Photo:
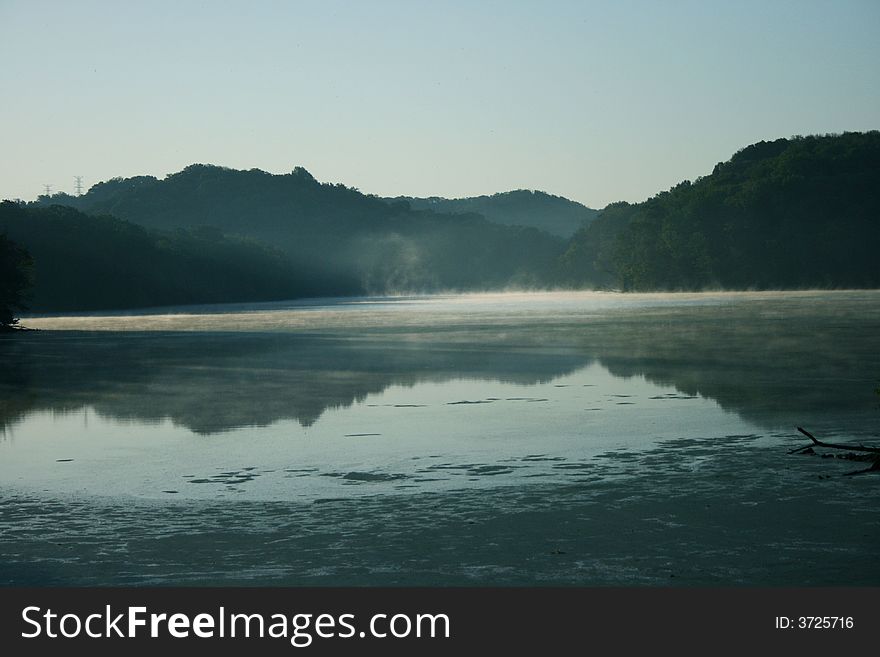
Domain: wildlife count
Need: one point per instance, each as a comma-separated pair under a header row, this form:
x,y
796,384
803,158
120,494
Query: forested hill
x,y
351,242
554,214
791,213
81,262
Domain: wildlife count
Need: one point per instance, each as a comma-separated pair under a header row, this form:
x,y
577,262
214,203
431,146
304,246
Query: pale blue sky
x,y
596,101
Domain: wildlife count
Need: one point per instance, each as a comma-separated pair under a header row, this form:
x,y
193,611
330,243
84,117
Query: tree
x,y
793,213
15,280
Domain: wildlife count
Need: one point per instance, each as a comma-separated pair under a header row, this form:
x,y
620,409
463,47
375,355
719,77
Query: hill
x,y
83,262
553,214
792,213
348,242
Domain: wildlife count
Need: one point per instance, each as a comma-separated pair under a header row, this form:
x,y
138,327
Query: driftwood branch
x,y
874,452
854,448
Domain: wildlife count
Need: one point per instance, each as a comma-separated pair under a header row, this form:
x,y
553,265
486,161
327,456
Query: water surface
x,y
562,438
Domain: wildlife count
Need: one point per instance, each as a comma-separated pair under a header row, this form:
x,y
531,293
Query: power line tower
x,y
79,185
48,189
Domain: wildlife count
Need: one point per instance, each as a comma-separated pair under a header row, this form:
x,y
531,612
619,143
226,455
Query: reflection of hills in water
x,y
773,361
219,381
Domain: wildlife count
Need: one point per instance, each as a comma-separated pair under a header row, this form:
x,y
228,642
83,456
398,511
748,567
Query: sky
x,y
594,101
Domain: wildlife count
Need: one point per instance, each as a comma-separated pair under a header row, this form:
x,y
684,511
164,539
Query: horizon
x,y
590,101
285,173
429,197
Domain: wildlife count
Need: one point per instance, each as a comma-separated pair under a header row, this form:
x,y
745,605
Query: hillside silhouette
x,y
349,242
83,262
553,214
790,213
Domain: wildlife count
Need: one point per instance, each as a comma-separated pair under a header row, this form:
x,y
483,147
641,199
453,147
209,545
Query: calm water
x,y
489,439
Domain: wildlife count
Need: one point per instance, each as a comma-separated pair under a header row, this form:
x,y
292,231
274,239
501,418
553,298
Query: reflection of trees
x,y
213,382
774,362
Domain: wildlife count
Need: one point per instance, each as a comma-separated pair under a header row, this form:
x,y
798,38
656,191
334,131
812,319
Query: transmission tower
x,y
79,185
48,189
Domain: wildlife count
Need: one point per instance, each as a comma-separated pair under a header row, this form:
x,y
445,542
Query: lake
x,y
484,439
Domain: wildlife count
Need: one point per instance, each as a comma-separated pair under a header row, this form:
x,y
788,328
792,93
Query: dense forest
x,y
15,281
791,213
349,242
553,214
81,262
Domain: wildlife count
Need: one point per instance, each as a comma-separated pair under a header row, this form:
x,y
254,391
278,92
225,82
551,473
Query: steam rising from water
x,y
428,311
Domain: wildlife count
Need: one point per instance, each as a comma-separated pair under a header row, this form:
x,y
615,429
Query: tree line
x,y
790,213
73,262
